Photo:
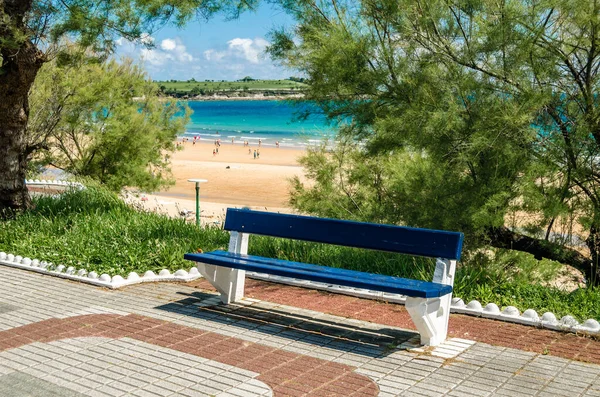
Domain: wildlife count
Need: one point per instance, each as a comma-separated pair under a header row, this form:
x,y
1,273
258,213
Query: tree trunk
x,y
593,243
20,61
503,237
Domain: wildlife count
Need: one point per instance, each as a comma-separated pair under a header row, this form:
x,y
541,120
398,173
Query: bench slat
x,y
318,268
350,278
407,240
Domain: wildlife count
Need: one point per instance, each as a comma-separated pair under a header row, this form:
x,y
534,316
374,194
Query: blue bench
x,y
428,303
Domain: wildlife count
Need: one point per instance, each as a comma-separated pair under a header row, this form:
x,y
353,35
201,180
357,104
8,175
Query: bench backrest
x,y
406,240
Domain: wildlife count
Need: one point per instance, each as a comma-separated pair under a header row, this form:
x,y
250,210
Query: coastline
x,y
253,97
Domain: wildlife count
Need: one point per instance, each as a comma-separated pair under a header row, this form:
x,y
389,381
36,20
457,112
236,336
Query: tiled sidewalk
x,y
59,338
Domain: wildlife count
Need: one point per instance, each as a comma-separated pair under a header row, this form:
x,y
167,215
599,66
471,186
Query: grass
x,y
96,230
255,85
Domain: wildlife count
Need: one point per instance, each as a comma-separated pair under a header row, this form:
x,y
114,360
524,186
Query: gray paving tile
x,y
18,384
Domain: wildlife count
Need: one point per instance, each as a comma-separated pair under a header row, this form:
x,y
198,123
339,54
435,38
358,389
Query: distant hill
x,y
246,87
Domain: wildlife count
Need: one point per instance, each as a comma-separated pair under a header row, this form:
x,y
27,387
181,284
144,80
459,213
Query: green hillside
x,y
209,87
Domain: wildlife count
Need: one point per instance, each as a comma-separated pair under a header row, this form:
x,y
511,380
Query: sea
x,y
270,122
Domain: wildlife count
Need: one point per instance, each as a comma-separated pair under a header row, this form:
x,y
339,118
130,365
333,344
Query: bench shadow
x,y
340,336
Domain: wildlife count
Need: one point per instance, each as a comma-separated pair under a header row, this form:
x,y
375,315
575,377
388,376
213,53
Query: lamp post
x,y
198,182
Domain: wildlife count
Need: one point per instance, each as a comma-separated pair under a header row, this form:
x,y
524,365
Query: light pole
x,y
198,182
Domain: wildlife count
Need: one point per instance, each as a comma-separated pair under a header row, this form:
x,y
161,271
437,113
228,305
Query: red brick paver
x,y
287,373
498,333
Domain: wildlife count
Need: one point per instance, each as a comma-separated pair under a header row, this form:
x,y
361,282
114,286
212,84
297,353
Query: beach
x,y
235,179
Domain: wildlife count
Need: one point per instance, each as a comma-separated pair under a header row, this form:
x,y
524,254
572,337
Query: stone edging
x,y
474,308
102,280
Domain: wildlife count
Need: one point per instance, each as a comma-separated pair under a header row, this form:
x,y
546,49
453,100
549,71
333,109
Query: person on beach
x,y
259,142
277,144
232,141
214,152
254,154
257,153
249,151
217,149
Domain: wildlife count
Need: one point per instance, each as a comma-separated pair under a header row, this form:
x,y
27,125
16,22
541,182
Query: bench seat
x,y
323,274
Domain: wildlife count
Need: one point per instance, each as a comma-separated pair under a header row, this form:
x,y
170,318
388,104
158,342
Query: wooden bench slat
x,y
318,268
407,240
350,278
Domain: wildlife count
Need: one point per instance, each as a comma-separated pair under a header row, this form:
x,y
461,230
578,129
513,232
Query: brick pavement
x,y
60,338
537,340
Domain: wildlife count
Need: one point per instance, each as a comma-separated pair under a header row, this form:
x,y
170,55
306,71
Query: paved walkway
x,y
60,338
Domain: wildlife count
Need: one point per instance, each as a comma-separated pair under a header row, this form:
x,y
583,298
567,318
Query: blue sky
x,y
214,50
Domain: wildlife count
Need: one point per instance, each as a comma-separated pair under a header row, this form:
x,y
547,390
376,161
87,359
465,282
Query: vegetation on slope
x,y
220,87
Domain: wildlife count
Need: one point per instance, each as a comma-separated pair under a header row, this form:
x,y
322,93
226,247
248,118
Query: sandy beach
x,y
235,179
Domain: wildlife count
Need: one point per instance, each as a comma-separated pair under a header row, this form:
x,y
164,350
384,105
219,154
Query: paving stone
x,y
18,384
130,365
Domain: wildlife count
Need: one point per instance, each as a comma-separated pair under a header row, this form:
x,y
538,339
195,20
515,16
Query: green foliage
x,y
104,121
517,279
466,112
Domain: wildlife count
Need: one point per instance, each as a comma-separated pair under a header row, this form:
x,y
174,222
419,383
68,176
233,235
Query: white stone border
x,y
102,280
474,308
53,182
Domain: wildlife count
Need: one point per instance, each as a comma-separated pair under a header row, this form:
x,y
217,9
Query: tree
x,y
471,113
30,31
104,121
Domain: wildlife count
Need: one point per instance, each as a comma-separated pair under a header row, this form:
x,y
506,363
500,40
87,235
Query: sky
x,y
213,50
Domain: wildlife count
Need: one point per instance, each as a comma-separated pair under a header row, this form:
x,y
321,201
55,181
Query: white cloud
x,y
171,50
214,55
168,44
247,48
250,50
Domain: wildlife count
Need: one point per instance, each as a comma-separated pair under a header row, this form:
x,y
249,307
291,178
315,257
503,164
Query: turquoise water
x,y
269,121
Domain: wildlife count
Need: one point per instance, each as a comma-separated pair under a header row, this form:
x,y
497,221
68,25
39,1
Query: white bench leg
x,y
229,282
430,316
